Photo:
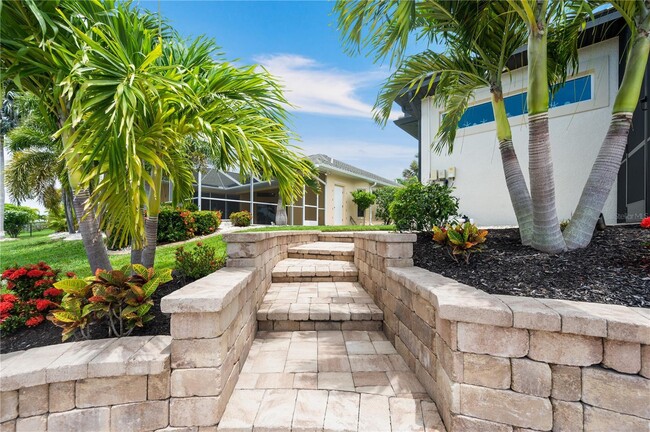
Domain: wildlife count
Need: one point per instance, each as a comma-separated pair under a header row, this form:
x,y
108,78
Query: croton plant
x,y
121,299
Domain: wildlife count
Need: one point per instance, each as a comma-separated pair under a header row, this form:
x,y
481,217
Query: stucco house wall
x,y
349,185
577,131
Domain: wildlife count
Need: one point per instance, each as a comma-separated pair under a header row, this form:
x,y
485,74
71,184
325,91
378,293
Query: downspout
x,y
199,186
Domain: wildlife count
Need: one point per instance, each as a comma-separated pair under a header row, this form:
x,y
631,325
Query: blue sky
x,y
298,42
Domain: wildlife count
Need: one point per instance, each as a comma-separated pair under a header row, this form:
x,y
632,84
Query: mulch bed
x,y
614,268
48,334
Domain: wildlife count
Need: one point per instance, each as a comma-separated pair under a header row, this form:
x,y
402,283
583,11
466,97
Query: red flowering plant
x,y
118,298
645,223
27,294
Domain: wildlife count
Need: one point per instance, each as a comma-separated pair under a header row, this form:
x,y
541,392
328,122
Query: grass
x,y
333,228
71,256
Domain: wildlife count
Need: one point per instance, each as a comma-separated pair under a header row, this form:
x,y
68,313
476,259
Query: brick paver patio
x,y
328,380
333,371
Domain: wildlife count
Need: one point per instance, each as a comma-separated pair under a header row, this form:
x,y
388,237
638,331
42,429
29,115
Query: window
x,y
573,91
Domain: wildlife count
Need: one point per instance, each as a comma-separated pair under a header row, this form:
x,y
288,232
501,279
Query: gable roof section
x,y
326,163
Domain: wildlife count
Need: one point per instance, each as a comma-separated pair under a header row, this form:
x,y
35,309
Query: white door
x,y
338,205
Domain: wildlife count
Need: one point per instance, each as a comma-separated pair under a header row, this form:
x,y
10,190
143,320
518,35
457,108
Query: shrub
x,y
15,221
190,206
385,197
197,262
175,225
121,301
421,207
363,200
28,295
241,219
56,219
207,221
460,239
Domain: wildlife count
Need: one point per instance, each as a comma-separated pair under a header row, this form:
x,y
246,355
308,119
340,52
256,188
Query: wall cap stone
x,y
245,237
209,294
458,302
67,362
386,236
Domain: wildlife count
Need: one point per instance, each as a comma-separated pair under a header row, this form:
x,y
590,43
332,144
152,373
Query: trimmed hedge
x,y
207,221
176,225
241,219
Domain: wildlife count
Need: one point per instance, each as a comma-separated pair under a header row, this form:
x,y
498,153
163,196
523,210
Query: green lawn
x,y
333,228
70,255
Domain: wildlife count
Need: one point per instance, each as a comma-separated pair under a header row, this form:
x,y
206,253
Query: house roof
x,y
326,163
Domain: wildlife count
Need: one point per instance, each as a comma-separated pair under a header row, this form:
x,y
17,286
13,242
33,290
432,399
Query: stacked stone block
x,y
502,363
100,385
214,322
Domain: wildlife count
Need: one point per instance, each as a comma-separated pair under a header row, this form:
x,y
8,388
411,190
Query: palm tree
x,y
8,121
36,166
604,171
480,37
39,51
149,93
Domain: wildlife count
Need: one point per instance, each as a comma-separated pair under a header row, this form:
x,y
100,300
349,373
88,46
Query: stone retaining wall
x,y
152,383
100,385
213,324
502,363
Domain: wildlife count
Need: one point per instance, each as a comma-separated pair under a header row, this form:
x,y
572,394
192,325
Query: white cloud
x,y
386,160
315,88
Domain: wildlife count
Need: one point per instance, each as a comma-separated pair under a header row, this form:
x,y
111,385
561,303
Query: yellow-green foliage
x,y
460,239
122,301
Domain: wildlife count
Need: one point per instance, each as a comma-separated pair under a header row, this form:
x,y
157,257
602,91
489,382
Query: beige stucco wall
x,y
577,131
349,185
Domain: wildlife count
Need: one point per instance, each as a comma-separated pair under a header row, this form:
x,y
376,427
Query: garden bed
x,y
614,269
48,334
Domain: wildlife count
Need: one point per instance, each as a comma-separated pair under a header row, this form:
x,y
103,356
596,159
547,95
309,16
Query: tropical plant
x,y
29,294
421,207
241,219
412,170
35,167
460,239
385,197
175,224
605,169
8,121
363,199
198,262
206,221
15,221
121,301
481,37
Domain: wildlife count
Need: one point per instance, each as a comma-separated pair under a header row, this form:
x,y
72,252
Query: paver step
x,y
328,380
314,270
339,237
333,251
296,306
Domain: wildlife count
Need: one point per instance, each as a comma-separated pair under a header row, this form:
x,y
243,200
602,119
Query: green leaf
x,y
455,237
74,286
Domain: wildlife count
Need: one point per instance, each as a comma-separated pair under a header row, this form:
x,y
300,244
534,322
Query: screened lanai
x,y
229,192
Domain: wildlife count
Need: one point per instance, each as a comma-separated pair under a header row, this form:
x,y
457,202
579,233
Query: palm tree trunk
x,y
547,236
90,233
608,162
2,186
281,213
151,221
68,209
515,181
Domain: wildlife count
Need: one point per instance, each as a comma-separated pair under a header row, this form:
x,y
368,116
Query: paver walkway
x,y
328,380
325,364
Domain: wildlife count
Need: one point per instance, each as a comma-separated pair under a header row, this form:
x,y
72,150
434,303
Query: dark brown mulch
x,y
48,334
614,268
